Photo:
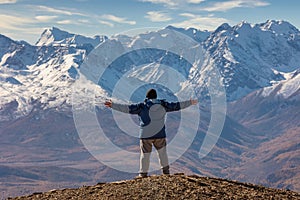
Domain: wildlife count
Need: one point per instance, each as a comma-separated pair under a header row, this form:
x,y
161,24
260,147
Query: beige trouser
x,y
146,148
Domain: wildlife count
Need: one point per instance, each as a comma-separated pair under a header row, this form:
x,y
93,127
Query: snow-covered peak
x,y
56,37
166,38
243,26
286,88
223,27
279,27
5,43
254,54
197,34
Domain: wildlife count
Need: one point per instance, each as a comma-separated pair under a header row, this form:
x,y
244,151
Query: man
x,y
152,114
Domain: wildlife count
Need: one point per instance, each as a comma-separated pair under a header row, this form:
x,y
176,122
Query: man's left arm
x,y
185,104
179,105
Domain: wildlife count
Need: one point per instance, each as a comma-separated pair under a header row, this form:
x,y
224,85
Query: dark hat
x,y
151,94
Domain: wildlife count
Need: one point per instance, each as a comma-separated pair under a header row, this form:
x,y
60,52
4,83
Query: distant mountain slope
x,y
272,113
169,187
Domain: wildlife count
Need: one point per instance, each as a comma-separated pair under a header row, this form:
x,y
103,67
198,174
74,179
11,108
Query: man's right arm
x,y
132,109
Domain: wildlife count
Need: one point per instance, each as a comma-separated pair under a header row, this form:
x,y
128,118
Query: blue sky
x,y
26,19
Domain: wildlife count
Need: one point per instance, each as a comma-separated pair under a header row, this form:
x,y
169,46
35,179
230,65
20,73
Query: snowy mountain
x,y
196,34
258,65
57,37
39,75
248,57
254,56
287,89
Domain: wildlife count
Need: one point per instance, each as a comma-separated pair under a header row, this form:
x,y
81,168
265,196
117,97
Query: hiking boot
x,y
166,170
141,175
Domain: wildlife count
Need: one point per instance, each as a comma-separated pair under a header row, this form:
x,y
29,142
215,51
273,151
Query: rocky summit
x,y
177,186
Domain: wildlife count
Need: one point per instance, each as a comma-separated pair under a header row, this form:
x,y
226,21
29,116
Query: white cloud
x,y
66,22
45,18
106,23
75,22
19,27
7,1
114,18
156,16
195,1
166,2
216,6
187,15
227,5
58,11
200,22
11,22
176,4
84,21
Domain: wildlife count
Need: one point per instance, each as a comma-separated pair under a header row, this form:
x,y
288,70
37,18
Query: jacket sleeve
x,y
175,106
131,109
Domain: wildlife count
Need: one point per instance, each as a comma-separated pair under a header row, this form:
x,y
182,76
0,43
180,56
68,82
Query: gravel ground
x,y
176,186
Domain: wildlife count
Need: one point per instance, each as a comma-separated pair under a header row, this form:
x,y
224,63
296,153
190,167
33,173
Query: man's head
x,y
151,94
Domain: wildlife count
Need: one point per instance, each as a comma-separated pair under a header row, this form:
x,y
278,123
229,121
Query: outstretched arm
x,y
175,106
132,109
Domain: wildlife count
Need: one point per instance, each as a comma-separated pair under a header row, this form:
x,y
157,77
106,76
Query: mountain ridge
x,y
55,36
243,68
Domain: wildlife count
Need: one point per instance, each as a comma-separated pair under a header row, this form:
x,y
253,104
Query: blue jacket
x,y
151,114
